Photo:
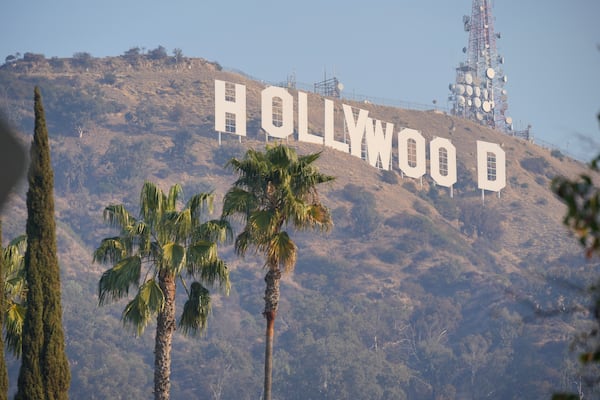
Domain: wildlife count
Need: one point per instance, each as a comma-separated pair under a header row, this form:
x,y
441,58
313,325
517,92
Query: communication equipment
x,y
478,93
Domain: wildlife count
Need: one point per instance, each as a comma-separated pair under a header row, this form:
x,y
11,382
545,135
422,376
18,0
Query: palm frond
x,y
151,293
199,204
152,203
174,193
181,225
239,201
147,302
111,250
196,309
115,282
242,243
216,230
281,252
117,216
13,328
214,272
173,257
14,255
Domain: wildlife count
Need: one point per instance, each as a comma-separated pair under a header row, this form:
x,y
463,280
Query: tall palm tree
x,y
274,189
171,245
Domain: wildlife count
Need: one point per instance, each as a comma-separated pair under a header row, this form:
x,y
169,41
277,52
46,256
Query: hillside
x,y
414,294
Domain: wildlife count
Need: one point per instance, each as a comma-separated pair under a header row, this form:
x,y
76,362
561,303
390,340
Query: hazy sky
x,y
397,49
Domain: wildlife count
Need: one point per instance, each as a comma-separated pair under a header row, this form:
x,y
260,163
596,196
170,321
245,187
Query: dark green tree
x,y
171,245
44,372
3,371
275,189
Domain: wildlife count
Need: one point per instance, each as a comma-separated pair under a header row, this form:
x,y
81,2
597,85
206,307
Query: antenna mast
x,y
478,93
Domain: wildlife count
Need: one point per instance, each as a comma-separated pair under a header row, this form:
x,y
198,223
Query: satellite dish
x,y
504,79
490,73
460,89
508,120
451,87
492,104
479,116
477,91
501,59
503,92
469,102
464,49
460,100
486,106
340,86
468,78
469,90
485,93
477,102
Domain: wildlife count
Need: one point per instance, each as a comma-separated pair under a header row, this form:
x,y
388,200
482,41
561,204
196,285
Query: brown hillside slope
x,y
407,288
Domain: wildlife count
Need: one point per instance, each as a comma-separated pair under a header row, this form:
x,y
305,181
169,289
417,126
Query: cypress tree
x,y
44,372
3,371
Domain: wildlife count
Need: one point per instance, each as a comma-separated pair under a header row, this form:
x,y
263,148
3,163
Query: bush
x,y
410,186
557,154
33,57
82,59
109,78
447,207
364,210
540,180
159,53
389,177
536,165
421,207
480,221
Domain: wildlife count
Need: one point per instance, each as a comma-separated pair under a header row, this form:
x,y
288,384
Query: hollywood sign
x,y
277,120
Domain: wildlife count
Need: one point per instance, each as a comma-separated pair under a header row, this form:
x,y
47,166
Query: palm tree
x,y
15,292
274,189
170,245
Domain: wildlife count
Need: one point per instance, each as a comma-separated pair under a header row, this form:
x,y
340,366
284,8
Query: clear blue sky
x,y
395,49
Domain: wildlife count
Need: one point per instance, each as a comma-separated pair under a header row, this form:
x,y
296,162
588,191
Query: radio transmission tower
x,y
478,93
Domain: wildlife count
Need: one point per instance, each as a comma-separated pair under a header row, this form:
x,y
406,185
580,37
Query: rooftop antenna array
x,y
331,87
478,93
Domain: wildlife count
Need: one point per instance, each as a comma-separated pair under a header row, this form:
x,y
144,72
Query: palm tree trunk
x,y
271,304
165,326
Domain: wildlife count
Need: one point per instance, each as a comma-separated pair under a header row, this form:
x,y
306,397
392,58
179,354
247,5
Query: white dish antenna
x,y
486,106
477,102
469,90
460,89
460,100
340,86
490,73
468,78
479,116
508,120
477,91
485,93
504,79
